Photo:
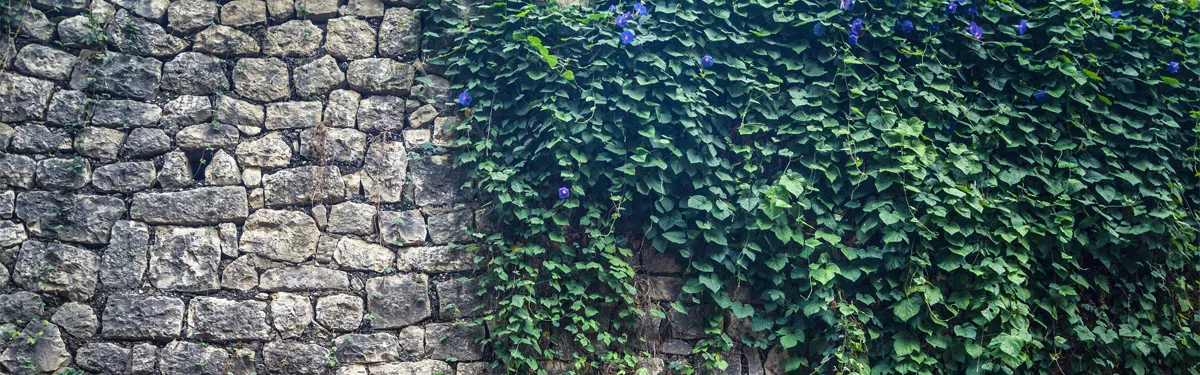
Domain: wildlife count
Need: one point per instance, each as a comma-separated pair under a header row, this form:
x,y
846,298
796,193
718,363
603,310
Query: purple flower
x,y
1041,96
639,9
612,9
1173,67
976,31
564,193
623,19
906,26
971,9
1117,14
627,37
1022,27
853,39
818,29
847,5
464,99
856,26
706,61
952,7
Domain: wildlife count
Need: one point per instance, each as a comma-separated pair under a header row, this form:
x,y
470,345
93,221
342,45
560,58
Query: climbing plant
x,y
883,187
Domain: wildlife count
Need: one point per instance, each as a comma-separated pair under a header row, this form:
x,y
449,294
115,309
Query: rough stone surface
x,y
302,279
240,274
222,170
142,317
316,79
186,110
20,307
220,320
304,185
453,341
202,206
87,218
123,263
57,268
35,138
380,114
261,79
175,172
152,9
137,36
449,227
64,174
270,151
104,358
402,228
399,34
295,358
288,236
45,354
352,218
354,254
243,13
295,38
126,113
436,181
363,348
185,259
206,137
189,16
45,62
124,177
350,38
380,76
293,115
334,145
99,143
25,98
342,109
459,298
362,8
188,358
223,40
117,74
405,368
319,10
291,314
280,10
434,259
398,301
76,319
340,312
238,113
70,108
385,172
195,74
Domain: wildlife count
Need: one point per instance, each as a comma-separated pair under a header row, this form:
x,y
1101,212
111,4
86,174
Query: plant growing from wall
x,y
901,186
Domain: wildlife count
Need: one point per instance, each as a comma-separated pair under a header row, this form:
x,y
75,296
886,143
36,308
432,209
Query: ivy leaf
x,y
907,308
677,237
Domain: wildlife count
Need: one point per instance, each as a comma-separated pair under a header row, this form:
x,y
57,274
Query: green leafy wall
x,y
903,205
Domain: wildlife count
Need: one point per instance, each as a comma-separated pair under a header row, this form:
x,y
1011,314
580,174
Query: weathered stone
x,y
663,288
123,264
69,108
77,319
362,8
176,172
422,117
141,317
318,78
444,132
122,75
38,139
397,301
99,143
352,218
202,206
450,227
185,259
79,218
372,348
402,228
45,62
295,38
152,9
126,113
342,109
223,40
293,115
455,341
195,74
270,151
30,22
676,347
17,170
222,320
186,110
243,13
63,6
134,35
350,38
340,312
303,279
240,274
105,358
288,236
187,358
385,172
124,177
20,307
12,234
40,350
7,206
334,145
415,139
380,76
76,32
304,185
686,326
189,16
435,91
241,114
380,114
436,181
405,368
291,314
459,298
318,10
295,358
207,136
142,359
399,36
435,259
222,170
280,10
262,79
24,98
360,255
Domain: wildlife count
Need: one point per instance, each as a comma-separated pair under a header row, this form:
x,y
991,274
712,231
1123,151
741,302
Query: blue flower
x,y
952,7
623,19
1041,96
639,9
564,193
1117,14
464,99
612,9
818,29
856,26
706,61
1173,67
935,27
906,26
627,37
1022,27
853,39
976,31
971,9
847,5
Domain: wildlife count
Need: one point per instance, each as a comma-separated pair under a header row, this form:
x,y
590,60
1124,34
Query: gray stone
x,y
142,359
126,113
186,110
342,109
405,368
303,279
6,134
402,228
454,341
78,218
444,132
12,234
295,38
222,170
304,185
450,227
185,259
76,32
223,40
77,319
663,288
222,320
104,358
176,172
399,300
123,264
25,98
57,269
380,76
436,181
69,108
434,259
317,10
262,79
243,13
239,113
340,312
152,9
17,170
6,203
295,358
207,137
399,36
45,62
435,91
240,274
289,236
474,368
291,314
40,351
20,307
363,348
381,114
459,298
189,16
134,35
316,79
280,10
359,255
229,239
334,145
686,326
124,177
362,8
659,263
30,22
422,117
122,75
676,347
195,74
38,139
270,151
99,143
202,206
293,115
385,172
187,358
63,6
352,218
350,38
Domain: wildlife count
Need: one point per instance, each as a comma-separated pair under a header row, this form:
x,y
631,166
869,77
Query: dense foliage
x,y
1005,187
